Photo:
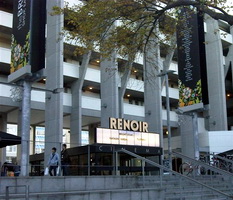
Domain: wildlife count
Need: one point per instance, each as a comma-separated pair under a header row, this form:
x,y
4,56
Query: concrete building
x,y
90,95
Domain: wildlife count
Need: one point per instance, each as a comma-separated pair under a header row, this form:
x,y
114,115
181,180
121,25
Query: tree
x,y
129,25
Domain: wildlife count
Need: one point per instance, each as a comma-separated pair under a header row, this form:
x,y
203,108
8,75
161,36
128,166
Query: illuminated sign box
x,y
123,137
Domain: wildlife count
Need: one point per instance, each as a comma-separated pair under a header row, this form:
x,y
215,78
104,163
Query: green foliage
x,y
19,54
189,96
126,26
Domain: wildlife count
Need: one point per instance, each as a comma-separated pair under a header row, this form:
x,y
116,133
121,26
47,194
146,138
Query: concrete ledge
x,y
25,73
109,187
20,74
195,107
117,192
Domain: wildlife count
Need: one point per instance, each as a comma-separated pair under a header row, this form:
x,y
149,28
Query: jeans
x,y
65,169
54,169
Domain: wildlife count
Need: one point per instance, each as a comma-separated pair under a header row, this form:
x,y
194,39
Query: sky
x,y
230,3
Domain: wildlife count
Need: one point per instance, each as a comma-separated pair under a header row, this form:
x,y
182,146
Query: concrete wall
x,y
83,188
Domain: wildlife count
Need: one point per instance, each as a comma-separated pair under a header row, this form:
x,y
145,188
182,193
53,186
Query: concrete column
x,y
18,159
76,116
3,127
109,90
54,80
92,129
217,119
187,135
168,58
32,139
229,57
152,90
25,128
124,81
76,110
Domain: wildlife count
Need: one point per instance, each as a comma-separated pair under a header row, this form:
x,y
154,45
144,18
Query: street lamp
x,y
165,74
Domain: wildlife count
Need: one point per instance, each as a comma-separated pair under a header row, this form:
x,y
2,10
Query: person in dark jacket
x,y
65,161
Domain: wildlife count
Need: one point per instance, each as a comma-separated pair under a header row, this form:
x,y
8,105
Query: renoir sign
x,y
127,132
28,35
191,60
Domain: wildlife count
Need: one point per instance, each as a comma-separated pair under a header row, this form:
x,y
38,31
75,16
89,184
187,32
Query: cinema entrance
x,y
100,159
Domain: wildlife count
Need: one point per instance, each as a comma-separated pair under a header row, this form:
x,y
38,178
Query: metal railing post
x,y
88,162
27,192
116,163
180,187
113,161
160,177
143,172
7,192
7,197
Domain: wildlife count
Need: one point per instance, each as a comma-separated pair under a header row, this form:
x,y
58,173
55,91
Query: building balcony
x,y
5,55
6,19
91,103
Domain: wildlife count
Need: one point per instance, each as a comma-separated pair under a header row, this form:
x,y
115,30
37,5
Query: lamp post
x,y
165,74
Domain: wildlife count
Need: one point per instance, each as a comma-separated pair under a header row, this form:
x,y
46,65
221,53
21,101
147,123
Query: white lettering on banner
x,y
187,41
123,124
21,14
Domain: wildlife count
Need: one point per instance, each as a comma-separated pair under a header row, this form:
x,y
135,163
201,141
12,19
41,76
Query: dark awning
x,y
7,139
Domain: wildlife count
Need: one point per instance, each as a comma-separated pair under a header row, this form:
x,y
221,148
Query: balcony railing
x,y
6,19
92,103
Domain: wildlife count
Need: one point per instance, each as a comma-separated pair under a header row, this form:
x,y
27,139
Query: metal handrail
x,y
26,191
207,166
171,171
222,158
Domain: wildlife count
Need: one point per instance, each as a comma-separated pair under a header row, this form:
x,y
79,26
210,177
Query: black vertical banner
x,y
202,51
20,43
191,58
38,20
28,34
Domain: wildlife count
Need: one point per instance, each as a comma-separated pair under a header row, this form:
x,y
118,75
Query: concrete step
x,y
199,197
115,188
114,194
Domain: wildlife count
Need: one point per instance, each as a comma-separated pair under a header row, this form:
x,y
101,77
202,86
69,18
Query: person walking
x,y
53,162
65,161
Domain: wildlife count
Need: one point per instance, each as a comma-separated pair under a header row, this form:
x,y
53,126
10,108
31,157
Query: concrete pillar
x,y
92,129
152,90
32,139
187,136
18,159
3,127
217,116
76,110
54,80
168,58
25,128
109,90
124,81
230,54
229,57
76,115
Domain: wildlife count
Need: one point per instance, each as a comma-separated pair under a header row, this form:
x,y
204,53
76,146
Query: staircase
x,y
115,188
176,188
170,186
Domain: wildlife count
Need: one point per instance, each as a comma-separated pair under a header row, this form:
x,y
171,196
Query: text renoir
x,y
123,124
